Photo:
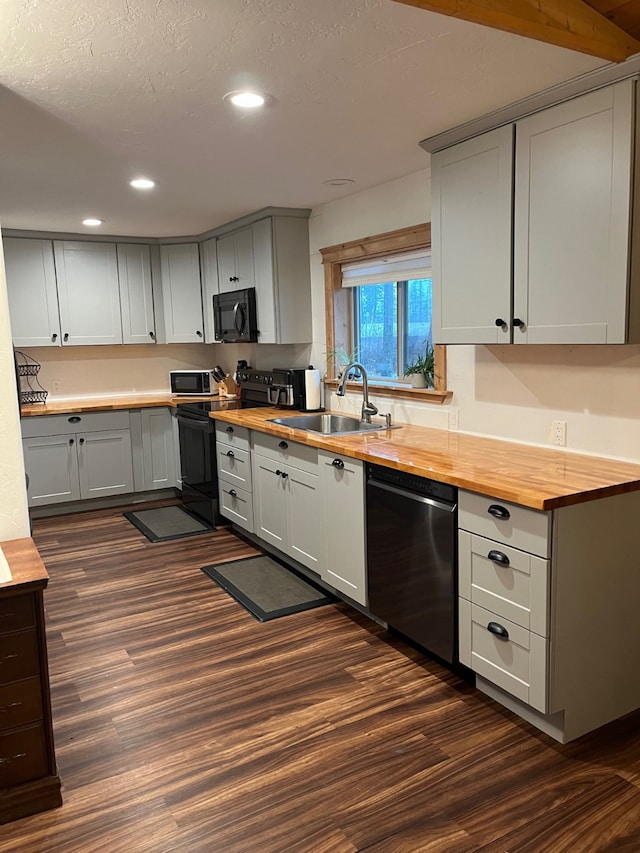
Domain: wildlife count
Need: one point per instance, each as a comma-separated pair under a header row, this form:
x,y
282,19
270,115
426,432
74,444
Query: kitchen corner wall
x,y
510,392
14,516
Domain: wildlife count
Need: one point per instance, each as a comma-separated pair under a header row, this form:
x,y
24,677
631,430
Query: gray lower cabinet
x,y
287,501
77,457
342,487
153,440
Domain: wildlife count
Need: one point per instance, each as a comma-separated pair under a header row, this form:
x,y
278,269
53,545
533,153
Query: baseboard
x,y
30,798
102,503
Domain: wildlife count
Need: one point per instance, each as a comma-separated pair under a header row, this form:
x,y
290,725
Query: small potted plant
x,y
420,370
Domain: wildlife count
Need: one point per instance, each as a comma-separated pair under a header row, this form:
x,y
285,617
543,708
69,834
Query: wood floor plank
x,y
184,725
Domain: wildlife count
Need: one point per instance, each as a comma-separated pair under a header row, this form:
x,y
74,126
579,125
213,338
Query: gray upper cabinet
x,y
88,292
181,292
283,279
235,261
568,278
209,255
32,291
136,294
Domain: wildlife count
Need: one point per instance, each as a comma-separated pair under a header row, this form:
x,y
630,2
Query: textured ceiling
x,y
92,94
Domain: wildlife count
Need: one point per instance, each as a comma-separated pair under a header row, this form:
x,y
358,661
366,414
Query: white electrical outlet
x,y
453,418
56,386
559,433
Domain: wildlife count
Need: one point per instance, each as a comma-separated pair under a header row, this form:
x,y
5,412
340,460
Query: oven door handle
x,y
195,423
412,496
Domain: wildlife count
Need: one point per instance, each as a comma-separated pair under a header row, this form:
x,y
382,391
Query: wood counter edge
x,y
109,404
362,447
25,563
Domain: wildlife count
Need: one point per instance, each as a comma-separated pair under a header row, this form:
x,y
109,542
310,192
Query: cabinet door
x,y
572,219
270,520
51,463
209,251
32,291
265,283
343,496
158,452
89,292
182,298
471,205
235,261
226,250
136,294
105,464
305,519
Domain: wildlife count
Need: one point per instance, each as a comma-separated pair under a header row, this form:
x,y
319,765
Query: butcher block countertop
x,y
107,404
25,565
534,477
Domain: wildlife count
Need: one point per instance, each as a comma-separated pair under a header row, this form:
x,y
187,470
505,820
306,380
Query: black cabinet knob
x,y
152,334
66,336
71,441
278,473
54,336
233,278
338,463
500,322
198,333
517,322
81,441
498,511
498,630
284,475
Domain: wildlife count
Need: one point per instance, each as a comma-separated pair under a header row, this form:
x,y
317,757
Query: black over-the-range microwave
x,y
234,316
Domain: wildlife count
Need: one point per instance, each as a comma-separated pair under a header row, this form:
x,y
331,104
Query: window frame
x,y
339,314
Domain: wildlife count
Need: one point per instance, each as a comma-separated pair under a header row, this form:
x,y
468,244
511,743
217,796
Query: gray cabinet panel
x,y
158,451
105,464
209,253
235,261
51,463
32,292
182,297
136,294
88,292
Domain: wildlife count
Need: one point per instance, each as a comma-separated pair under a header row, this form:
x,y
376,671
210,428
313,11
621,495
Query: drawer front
x,y
23,756
508,582
236,504
518,526
17,612
234,464
518,664
301,456
18,656
43,425
232,436
20,703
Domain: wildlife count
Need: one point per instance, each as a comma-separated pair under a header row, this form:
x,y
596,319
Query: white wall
x,y
511,392
14,517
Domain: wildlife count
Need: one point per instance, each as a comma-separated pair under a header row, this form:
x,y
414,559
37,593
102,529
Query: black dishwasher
x,y
412,557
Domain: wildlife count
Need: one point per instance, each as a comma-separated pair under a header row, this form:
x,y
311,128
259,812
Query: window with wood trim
x,y
343,324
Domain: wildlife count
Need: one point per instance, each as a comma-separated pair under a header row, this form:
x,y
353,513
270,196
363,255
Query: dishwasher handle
x,y
414,496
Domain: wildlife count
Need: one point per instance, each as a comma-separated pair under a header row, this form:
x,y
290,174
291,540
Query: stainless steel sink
x,y
327,424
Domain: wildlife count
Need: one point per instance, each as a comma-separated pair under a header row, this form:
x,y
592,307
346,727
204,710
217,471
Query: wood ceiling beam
x,y
566,23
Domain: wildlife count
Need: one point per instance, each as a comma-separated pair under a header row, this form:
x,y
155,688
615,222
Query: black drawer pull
x,y
5,708
283,445
499,630
498,557
230,453
75,419
229,429
498,511
338,463
233,493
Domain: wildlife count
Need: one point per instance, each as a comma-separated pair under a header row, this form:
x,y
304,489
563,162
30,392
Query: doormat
x,y
265,588
167,522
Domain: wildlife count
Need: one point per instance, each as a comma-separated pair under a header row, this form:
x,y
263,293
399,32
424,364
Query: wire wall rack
x,y
30,389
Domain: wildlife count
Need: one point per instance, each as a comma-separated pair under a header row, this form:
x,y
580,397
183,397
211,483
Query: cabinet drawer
x,y
518,526
23,755
236,504
20,703
232,436
18,656
43,425
234,464
511,583
16,612
301,456
517,664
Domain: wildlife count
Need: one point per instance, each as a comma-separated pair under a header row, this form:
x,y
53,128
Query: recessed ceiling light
x,y
93,223
142,183
246,99
338,182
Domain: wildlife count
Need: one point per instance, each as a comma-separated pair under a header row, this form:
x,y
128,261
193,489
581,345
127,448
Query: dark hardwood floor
x,y
183,724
